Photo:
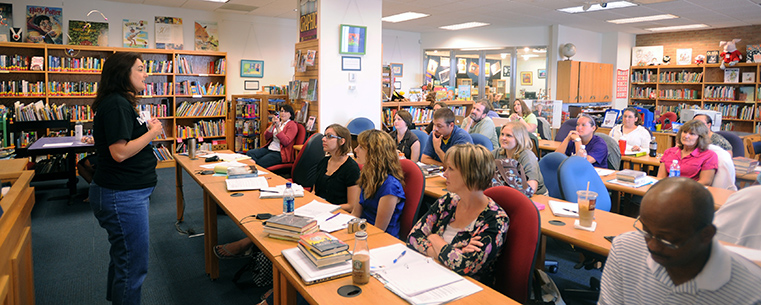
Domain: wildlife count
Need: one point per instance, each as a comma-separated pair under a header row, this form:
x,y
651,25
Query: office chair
x,y
299,140
738,149
482,140
414,189
549,165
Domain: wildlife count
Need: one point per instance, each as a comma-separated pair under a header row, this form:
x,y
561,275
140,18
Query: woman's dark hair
x,y
115,78
406,117
289,109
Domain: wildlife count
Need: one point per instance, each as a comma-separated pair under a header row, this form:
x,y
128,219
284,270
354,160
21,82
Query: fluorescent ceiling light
x,y
461,26
217,1
677,28
596,7
643,19
404,17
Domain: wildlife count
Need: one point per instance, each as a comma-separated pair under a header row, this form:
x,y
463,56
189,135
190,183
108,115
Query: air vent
x,y
236,8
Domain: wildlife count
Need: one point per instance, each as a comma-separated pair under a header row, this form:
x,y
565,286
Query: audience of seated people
x,y
696,161
280,136
445,134
595,147
479,122
714,138
515,144
406,142
637,137
464,230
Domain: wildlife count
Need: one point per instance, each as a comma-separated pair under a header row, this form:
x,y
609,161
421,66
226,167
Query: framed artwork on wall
x,y
353,39
541,73
351,63
251,68
683,56
527,79
251,85
647,56
397,69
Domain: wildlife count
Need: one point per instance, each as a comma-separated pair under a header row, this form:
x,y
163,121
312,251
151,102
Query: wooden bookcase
x,y
420,115
203,73
312,72
672,87
256,111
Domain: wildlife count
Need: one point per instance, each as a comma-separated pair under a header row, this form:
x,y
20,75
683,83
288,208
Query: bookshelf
x,y
250,115
672,88
311,74
70,75
420,115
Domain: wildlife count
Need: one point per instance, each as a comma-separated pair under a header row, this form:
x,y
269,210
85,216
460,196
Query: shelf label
x,y
196,96
203,74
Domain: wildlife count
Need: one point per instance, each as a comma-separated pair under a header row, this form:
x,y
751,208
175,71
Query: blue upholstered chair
x,y
422,137
574,173
482,140
567,126
549,165
358,125
738,149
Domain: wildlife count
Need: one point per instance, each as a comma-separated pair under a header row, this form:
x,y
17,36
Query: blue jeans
x,y
124,215
265,157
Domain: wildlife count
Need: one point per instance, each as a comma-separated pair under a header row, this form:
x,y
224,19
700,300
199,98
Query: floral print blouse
x,y
491,225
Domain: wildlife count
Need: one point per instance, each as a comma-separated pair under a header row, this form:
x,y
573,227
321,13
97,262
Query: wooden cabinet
x,y
584,82
16,268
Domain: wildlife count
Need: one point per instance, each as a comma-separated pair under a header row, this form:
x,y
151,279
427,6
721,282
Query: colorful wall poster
x,y
43,24
308,20
206,36
85,33
168,33
6,21
135,34
353,39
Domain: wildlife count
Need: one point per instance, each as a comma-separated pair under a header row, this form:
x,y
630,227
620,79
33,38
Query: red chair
x,y
299,140
515,264
414,189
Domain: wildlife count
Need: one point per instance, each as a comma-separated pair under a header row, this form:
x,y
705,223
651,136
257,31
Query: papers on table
x,y
324,213
277,191
309,272
227,157
246,184
65,144
417,279
645,181
603,171
564,209
227,164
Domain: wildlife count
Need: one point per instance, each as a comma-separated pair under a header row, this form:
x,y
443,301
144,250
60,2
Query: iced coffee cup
x,y
587,200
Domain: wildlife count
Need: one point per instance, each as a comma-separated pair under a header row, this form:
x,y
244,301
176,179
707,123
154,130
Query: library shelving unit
x,y
311,73
70,75
251,114
421,116
674,87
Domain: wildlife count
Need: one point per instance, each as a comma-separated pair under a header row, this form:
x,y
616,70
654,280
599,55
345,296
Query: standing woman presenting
x,y
126,174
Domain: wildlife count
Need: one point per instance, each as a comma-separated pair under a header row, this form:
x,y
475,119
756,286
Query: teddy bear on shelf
x,y
730,55
700,59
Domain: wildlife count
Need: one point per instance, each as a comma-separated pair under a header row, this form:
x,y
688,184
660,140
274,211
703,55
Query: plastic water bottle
x,y
78,131
653,147
675,170
288,199
583,151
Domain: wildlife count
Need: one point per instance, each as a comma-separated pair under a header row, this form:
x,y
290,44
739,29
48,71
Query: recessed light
x,y
404,17
461,26
217,1
588,7
643,19
677,27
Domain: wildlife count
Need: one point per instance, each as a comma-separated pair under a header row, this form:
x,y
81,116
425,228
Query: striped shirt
x,y
632,277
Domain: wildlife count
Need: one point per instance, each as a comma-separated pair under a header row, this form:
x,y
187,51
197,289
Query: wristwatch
x,y
577,139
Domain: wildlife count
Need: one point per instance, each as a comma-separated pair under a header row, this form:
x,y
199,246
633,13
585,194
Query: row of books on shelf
x,y
157,89
680,77
158,66
184,66
679,94
244,144
646,76
15,62
732,111
39,111
643,92
22,87
57,88
212,108
156,110
303,89
162,153
69,64
725,93
213,128
81,112
193,88
246,127
247,108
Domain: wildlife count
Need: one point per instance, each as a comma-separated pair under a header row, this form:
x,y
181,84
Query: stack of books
x,y
430,170
631,176
744,165
289,226
322,249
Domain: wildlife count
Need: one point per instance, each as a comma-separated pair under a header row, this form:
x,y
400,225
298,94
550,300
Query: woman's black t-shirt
x,y
116,120
333,188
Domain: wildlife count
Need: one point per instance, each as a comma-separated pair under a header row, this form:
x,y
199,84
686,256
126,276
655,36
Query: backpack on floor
x,y
261,270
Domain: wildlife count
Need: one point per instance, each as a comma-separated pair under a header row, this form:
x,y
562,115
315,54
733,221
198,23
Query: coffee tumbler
x,y
192,148
587,200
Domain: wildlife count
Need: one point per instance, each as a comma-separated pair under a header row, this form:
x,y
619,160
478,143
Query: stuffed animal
x,y
730,55
666,60
700,59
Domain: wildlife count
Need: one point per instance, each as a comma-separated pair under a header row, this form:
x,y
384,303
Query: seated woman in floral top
x,y
464,230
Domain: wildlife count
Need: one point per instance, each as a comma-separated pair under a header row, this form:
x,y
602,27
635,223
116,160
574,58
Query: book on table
x,y
322,243
327,260
630,175
284,234
289,226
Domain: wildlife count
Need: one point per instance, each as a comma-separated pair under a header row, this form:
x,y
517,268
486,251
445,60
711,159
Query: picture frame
x,y
647,56
397,69
683,56
397,85
749,77
351,63
541,73
251,68
250,85
527,78
353,39
505,71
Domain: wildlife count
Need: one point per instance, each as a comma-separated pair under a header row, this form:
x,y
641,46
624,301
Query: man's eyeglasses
x,y
663,242
332,136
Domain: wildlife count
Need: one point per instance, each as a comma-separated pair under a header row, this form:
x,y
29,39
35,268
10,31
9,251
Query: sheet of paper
x,y
315,208
440,295
228,157
604,172
339,222
564,209
228,164
58,144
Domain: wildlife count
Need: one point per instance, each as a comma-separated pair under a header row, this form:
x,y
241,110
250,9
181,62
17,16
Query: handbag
x,y
510,173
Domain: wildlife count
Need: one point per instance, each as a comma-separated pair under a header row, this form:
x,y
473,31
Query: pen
x,y
268,191
331,217
567,210
400,256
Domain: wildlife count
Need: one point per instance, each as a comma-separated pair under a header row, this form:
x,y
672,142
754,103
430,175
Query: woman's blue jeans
x,y
124,215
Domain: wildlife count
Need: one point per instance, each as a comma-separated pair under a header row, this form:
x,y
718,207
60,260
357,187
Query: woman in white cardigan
x,y
637,137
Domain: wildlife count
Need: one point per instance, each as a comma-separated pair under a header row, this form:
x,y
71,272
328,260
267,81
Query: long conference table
x,y
286,281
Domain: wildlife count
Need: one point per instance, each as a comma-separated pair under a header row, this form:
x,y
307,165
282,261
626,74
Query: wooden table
x,y
15,165
636,163
289,282
549,145
748,179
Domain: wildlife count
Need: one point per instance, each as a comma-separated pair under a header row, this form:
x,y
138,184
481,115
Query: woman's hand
x,y
88,140
515,117
573,135
154,125
474,245
636,148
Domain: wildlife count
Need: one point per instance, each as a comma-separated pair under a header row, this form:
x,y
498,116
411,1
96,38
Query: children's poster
x,y
206,36
85,33
43,24
6,21
135,35
168,33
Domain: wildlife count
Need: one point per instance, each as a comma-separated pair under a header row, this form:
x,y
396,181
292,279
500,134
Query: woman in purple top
x,y
381,180
696,161
595,147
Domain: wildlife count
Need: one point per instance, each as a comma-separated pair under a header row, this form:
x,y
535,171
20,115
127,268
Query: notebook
x,y
564,209
246,184
309,273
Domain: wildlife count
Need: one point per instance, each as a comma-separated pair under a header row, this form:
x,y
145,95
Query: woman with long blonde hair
x,y
515,143
381,179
